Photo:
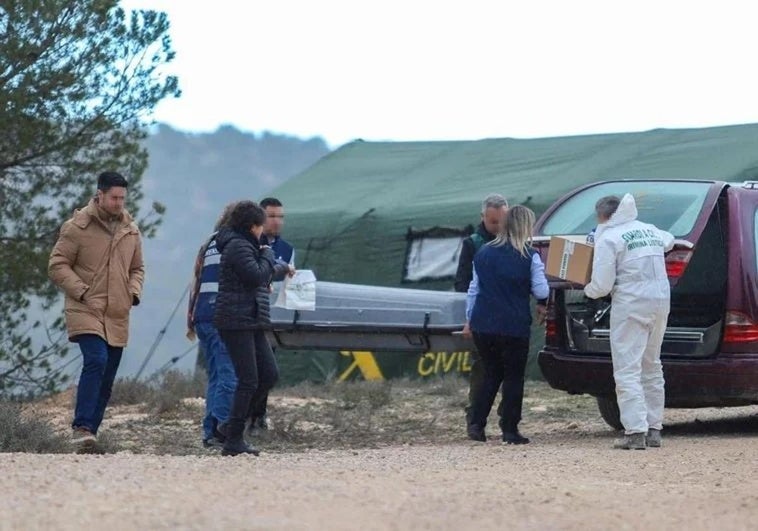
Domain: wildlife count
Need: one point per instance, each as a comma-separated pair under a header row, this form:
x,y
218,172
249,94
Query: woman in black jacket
x,y
243,314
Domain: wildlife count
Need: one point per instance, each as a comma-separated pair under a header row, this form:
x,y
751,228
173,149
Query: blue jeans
x,y
221,378
101,362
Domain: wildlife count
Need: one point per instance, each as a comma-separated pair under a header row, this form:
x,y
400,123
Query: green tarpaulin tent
x,y
367,212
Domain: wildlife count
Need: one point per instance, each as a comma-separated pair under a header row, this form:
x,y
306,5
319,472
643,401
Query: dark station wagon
x,y
710,351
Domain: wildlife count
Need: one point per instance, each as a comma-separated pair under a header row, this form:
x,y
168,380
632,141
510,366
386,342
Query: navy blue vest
x,y
205,306
505,285
282,250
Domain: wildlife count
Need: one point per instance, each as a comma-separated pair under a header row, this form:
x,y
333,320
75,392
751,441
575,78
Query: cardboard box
x,y
569,259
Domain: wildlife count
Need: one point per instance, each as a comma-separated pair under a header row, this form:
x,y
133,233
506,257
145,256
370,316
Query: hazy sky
x,y
418,70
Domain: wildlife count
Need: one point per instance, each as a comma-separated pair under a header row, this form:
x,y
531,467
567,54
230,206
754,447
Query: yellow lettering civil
x,y
422,370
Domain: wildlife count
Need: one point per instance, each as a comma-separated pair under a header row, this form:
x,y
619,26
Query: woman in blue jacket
x,y
506,272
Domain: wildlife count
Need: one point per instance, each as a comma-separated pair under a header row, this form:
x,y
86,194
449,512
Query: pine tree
x,y
78,83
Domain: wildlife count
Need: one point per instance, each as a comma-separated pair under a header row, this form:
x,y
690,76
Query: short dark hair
x,y
245,215
109,179
271,202
607,206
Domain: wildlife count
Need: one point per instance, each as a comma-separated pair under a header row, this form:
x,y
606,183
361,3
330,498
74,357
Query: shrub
x,y
130,392
374,395
449,385
108,442
22,433
172,388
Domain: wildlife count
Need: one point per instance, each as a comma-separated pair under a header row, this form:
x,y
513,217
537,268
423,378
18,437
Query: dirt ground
x,y
392,457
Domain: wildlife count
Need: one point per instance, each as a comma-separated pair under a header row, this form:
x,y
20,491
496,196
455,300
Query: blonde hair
x,y
517,230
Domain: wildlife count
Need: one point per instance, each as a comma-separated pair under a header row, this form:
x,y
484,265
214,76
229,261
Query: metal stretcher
x,y
355,317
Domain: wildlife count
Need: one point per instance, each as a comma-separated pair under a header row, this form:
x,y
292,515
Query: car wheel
x,y
609,410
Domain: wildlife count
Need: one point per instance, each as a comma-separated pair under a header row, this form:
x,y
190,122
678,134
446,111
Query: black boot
x,y
257,427
235,444
219,433
512,436
476,433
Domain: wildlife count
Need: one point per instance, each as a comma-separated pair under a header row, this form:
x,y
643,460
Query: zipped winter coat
x,y
97,262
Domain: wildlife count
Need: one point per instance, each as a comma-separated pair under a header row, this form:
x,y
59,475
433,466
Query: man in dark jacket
x,y
243,314
284,253
272,231
494,209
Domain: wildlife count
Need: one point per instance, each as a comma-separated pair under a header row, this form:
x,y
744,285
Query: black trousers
x,y
475,383
255,368
503,360
259,407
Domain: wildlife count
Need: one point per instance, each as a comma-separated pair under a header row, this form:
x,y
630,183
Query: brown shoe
x,y
84,441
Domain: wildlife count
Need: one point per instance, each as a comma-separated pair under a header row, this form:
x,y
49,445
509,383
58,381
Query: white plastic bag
x,y
298,292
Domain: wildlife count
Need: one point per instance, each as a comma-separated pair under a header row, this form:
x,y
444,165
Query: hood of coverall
x,y
626,212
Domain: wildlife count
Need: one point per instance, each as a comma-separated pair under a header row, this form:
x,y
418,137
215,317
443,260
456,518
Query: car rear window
x,y
671,206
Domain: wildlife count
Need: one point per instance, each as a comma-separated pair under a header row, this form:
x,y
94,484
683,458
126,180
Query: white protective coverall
x,y
629,264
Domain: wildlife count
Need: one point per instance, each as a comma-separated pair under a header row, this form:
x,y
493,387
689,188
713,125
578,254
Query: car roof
x,y
747,185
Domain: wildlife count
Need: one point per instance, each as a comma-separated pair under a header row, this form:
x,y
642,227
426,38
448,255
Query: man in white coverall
x,y
629,264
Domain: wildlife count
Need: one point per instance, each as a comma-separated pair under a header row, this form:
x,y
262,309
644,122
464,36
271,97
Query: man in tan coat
x,y
97,262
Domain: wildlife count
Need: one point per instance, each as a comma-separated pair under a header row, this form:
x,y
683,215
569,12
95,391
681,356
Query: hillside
x,y
194,175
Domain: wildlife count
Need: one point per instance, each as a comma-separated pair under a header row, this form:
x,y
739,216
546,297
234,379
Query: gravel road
x,y
697,481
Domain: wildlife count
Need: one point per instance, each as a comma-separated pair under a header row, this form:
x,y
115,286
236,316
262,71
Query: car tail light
x,y
740,328
551,326
676,262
